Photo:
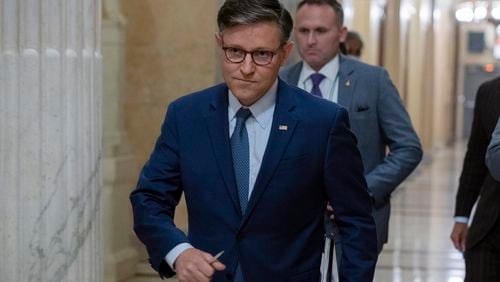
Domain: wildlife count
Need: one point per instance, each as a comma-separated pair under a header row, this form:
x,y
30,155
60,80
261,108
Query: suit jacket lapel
x,y
218,128
346,82
293,74
346,79
282,129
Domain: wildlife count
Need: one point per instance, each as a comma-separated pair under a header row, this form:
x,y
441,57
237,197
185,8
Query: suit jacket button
x,y
229,276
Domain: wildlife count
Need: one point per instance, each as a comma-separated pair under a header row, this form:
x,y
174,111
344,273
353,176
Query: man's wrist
x,y
173,254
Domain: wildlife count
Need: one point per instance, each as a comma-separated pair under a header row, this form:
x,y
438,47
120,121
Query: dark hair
x,y
354,36
337,7
354,44
244,12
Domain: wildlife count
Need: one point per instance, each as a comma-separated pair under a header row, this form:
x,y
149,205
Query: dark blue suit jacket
x,y
280,236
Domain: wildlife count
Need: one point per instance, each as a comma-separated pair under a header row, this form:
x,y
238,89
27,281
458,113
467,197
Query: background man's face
x,y
317,34
248,81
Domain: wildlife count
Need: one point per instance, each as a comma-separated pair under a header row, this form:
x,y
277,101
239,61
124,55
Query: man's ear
x,y
287,50
343,33
218,39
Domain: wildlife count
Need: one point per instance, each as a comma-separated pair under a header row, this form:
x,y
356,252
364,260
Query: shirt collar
x,y
330,70
262,110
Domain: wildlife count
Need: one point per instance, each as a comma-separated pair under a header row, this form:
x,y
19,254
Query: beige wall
x,y
444,50
417,60
170,52
154,52
119,168
393,43
365,16
430,70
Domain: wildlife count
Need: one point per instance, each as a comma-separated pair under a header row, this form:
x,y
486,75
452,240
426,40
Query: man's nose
x,y
247,66
311,38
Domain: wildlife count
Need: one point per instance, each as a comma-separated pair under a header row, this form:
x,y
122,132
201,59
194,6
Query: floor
x,y
419,249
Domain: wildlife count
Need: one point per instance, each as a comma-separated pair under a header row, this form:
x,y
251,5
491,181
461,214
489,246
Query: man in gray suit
x,y
377,115
493,153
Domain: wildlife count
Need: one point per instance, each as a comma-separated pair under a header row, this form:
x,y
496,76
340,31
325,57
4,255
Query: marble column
x,y
50,140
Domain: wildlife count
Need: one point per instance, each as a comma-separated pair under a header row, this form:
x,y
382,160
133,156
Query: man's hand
x,y
459,235
329,211
196,265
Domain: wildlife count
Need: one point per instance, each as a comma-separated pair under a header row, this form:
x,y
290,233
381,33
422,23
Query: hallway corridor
x,y
419,248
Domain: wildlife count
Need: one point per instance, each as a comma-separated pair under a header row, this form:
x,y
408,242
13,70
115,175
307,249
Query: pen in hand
x,y
217,256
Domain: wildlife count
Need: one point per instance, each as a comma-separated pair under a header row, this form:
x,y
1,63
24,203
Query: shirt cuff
x,y
175,252
462,219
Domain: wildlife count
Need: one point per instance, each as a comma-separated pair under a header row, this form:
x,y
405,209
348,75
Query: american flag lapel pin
x,y
283,127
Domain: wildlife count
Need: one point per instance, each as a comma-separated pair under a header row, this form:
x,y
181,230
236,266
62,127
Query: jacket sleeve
x,y
405,151
348,195
493,153
157,195
474,168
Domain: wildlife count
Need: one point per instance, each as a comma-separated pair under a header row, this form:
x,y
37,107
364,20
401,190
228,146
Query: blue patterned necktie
x,y
316,79
241,156
241,164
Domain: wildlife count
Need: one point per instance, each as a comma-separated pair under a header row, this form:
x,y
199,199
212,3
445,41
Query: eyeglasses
x,y
259,57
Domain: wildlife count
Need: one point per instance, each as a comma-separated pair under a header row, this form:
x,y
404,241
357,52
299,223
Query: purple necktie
x,y
316,79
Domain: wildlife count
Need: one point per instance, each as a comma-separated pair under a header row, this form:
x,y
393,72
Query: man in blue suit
x,y
378,117
257,160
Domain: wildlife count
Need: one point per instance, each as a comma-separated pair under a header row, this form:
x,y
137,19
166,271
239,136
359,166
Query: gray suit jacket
x,y
493,153
379,121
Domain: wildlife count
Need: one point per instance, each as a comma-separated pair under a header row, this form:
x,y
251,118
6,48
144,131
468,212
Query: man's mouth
x,y
245,80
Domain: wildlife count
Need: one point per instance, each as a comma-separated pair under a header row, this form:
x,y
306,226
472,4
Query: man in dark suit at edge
x,y
257,160
480,242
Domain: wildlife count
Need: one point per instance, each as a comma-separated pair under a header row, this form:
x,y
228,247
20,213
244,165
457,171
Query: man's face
x,y
318,34
247,80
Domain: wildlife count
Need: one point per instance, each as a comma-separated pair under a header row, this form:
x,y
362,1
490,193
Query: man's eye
x,y
235,51
303,31
262,54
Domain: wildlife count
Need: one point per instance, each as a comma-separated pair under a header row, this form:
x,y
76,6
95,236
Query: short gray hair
x,y
244,12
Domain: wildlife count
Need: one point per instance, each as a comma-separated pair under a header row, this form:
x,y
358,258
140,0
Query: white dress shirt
x,y
329,86
258,127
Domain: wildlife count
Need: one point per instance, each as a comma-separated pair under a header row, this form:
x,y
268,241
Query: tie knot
x,y
243,113
316,78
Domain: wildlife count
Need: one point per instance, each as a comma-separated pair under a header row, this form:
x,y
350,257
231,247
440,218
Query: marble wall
x,y
50,140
